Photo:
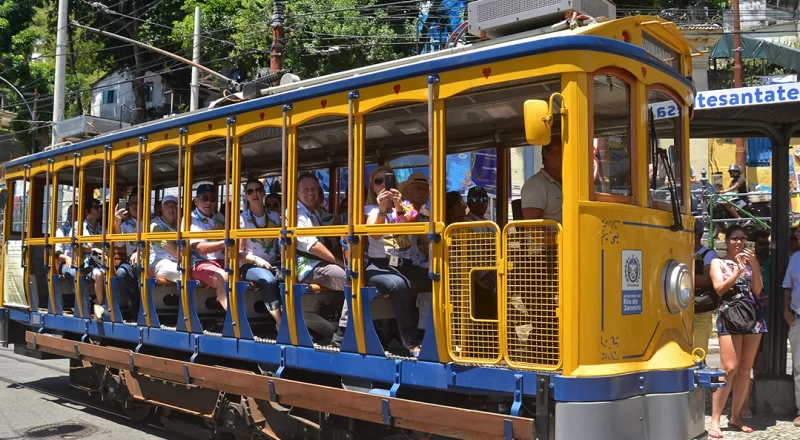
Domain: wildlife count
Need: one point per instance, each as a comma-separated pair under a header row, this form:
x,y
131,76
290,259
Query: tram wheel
x,y
137,412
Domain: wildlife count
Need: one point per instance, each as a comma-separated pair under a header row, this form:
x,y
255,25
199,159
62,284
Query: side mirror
x,y
538,122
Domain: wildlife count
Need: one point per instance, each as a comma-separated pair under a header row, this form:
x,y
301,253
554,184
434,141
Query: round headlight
x,y
678,287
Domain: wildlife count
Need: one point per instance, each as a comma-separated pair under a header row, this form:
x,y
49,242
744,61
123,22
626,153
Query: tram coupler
x,y
705,377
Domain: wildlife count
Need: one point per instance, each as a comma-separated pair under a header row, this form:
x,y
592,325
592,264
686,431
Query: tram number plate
x,y
631,282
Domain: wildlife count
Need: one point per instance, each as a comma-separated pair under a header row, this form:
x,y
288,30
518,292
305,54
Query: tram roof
x,y
526,44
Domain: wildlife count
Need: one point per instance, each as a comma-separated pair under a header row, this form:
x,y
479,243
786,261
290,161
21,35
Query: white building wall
x,y
124,100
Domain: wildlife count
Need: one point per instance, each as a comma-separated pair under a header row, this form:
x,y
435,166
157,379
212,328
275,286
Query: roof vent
x,y
498,18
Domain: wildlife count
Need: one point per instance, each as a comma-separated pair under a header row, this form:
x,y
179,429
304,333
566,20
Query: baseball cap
x,y
477,191
204,188
168,199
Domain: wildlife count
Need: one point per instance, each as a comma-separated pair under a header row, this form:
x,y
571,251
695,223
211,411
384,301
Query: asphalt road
x,y
37,402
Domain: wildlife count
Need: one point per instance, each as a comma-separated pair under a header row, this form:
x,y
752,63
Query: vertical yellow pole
x,y
78,254
290,189
576,140
144,258
26,228
438,123
109,219
355,206
639,161
235,199
188,206
51,210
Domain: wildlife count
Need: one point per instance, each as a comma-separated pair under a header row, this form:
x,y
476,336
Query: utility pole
x,y
276,50
61,68
741,149
195,86
35,117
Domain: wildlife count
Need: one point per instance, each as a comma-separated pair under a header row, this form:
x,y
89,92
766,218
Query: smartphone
x,y
122,204
389,182
750,245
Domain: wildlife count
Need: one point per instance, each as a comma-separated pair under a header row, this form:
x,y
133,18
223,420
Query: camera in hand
x,y
389,181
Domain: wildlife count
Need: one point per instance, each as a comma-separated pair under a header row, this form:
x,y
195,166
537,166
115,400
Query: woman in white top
x,y
389,255
259,257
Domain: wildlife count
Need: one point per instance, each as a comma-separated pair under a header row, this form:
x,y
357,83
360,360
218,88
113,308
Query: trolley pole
x,y
741,149
276,49
195,86
61,68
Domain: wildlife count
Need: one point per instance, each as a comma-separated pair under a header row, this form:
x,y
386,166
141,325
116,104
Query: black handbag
x,y
705,298
737,312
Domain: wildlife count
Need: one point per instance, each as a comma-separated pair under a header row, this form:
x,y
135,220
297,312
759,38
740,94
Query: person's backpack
x,y
705,298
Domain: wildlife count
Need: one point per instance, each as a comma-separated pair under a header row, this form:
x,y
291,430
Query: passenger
x,y
387,256
273,202
164,255
208,256
64,250
791,313
541,194
737,280
157,209
478,203
126,222
455,209
342,216
259,258
704,288
95,257
315,262
416,191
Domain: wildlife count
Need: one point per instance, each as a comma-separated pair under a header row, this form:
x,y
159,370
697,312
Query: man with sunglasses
x,y
478,204
208,256
164,255
94,256
126,222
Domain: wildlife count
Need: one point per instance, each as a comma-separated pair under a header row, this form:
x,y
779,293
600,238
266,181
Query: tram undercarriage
x,y
241,404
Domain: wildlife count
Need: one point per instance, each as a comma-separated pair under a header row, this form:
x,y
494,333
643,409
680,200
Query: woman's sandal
x,y
713,433
741,428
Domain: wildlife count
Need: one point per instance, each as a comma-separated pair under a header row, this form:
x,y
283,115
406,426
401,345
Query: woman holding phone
x,y
387,255
740,324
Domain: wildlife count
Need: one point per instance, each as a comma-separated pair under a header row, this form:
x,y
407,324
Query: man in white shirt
x,y
208,256
791,312
703,322
541,194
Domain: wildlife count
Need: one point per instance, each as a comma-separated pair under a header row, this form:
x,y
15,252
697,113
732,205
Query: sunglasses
x,y
479,199
208,198
272,205
250,191
378,181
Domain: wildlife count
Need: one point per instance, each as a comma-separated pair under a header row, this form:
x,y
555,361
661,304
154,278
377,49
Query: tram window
x,y
611,118
668,122
19,203
482,124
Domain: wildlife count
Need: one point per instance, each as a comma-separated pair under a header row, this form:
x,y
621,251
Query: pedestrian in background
x,y
791,306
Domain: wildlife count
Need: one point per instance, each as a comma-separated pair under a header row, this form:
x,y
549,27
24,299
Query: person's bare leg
x,y
729,364
741,388
219,284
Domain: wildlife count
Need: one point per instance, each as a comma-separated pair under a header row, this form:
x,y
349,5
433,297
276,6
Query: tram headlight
x,y
678,286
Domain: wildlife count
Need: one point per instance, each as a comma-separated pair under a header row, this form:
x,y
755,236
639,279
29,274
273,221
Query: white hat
x,y
166,199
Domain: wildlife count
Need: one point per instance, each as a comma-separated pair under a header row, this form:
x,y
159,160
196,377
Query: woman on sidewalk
x,y
740,324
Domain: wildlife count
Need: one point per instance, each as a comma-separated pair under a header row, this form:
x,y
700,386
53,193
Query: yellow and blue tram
x,y
592,334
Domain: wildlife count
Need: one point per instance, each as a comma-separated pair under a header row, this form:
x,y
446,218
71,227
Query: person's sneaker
x,y
797,421
98,312
338,338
